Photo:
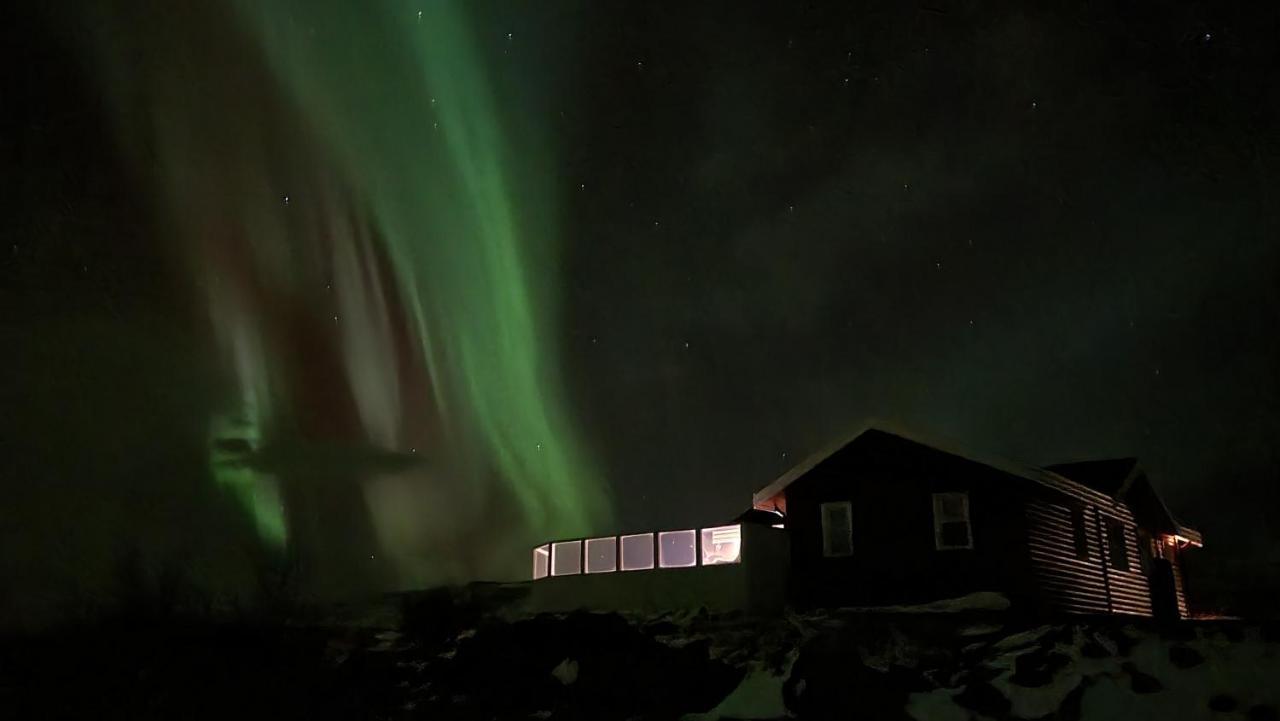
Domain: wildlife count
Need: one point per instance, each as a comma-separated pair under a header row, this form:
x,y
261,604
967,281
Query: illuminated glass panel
x,y
721,545
602,555
541,562
566,558
677,549
637,552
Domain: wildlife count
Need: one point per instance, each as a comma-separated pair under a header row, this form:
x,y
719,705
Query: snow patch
x,y
757,696
567,672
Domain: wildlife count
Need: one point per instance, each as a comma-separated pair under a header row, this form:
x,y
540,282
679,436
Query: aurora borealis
x,y
378,259
392,290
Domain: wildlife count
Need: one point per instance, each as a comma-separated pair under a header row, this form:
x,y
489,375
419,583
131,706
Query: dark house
x,y
885,519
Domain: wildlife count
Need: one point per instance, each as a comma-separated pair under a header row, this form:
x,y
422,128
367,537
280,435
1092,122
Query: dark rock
x,y
1263,712
830,681
1141,682
1233,632
983,698
1124,643
1270,631
1038,667
1178,631
1093,649
1069,709
1222,702
1185,657
1065,635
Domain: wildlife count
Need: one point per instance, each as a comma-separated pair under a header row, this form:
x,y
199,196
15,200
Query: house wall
x,y
1089,585
1175,556
756,584
890,483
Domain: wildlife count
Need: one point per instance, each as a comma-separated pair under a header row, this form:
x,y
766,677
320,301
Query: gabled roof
x,y
1100,482
1107,476
1040,476
1122,478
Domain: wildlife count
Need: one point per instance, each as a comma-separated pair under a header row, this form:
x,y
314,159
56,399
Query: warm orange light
x,y
1181,541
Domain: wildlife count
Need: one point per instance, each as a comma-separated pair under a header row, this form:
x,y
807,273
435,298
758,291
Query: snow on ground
x,y
1210,675
758,696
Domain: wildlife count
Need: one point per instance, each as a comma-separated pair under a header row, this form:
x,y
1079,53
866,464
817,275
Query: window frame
x,y
1079,531
1114,529
653,552
828,549
542,552
586,554
938,522
556,553
662,561
706,540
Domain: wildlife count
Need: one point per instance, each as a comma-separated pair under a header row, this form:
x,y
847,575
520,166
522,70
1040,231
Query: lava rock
x,y
830,681
1222,702
1038,667
1185,657
1124,643
1140,682
1093,649
983,698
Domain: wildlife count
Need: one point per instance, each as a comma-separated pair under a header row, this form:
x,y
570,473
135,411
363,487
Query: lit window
x,y
837,529
951,529
637,552
541,562
602,555
721,545
677,549
566,558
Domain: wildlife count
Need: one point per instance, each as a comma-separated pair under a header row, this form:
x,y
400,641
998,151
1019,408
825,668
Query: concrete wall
x,y
757,583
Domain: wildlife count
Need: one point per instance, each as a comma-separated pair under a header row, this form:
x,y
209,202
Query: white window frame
x,y
663,561
824,509
586,557
938,520
622,559
729,535
542,553
558,548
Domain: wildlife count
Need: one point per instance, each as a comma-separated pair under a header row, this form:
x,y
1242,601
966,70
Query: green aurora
x,y
356,155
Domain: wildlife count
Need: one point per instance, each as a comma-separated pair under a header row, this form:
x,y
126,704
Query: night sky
x,y
1044,232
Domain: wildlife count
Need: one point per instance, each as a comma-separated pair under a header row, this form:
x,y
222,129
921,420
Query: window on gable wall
x,y
1079,533
837,529
951,528
1117,547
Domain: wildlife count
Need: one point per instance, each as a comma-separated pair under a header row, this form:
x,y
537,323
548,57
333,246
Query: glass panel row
x,y
675,549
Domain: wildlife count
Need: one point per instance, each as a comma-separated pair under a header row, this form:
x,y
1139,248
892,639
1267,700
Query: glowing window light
x,y
566,558
541,561
721,545
602,555
677,549
637,552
